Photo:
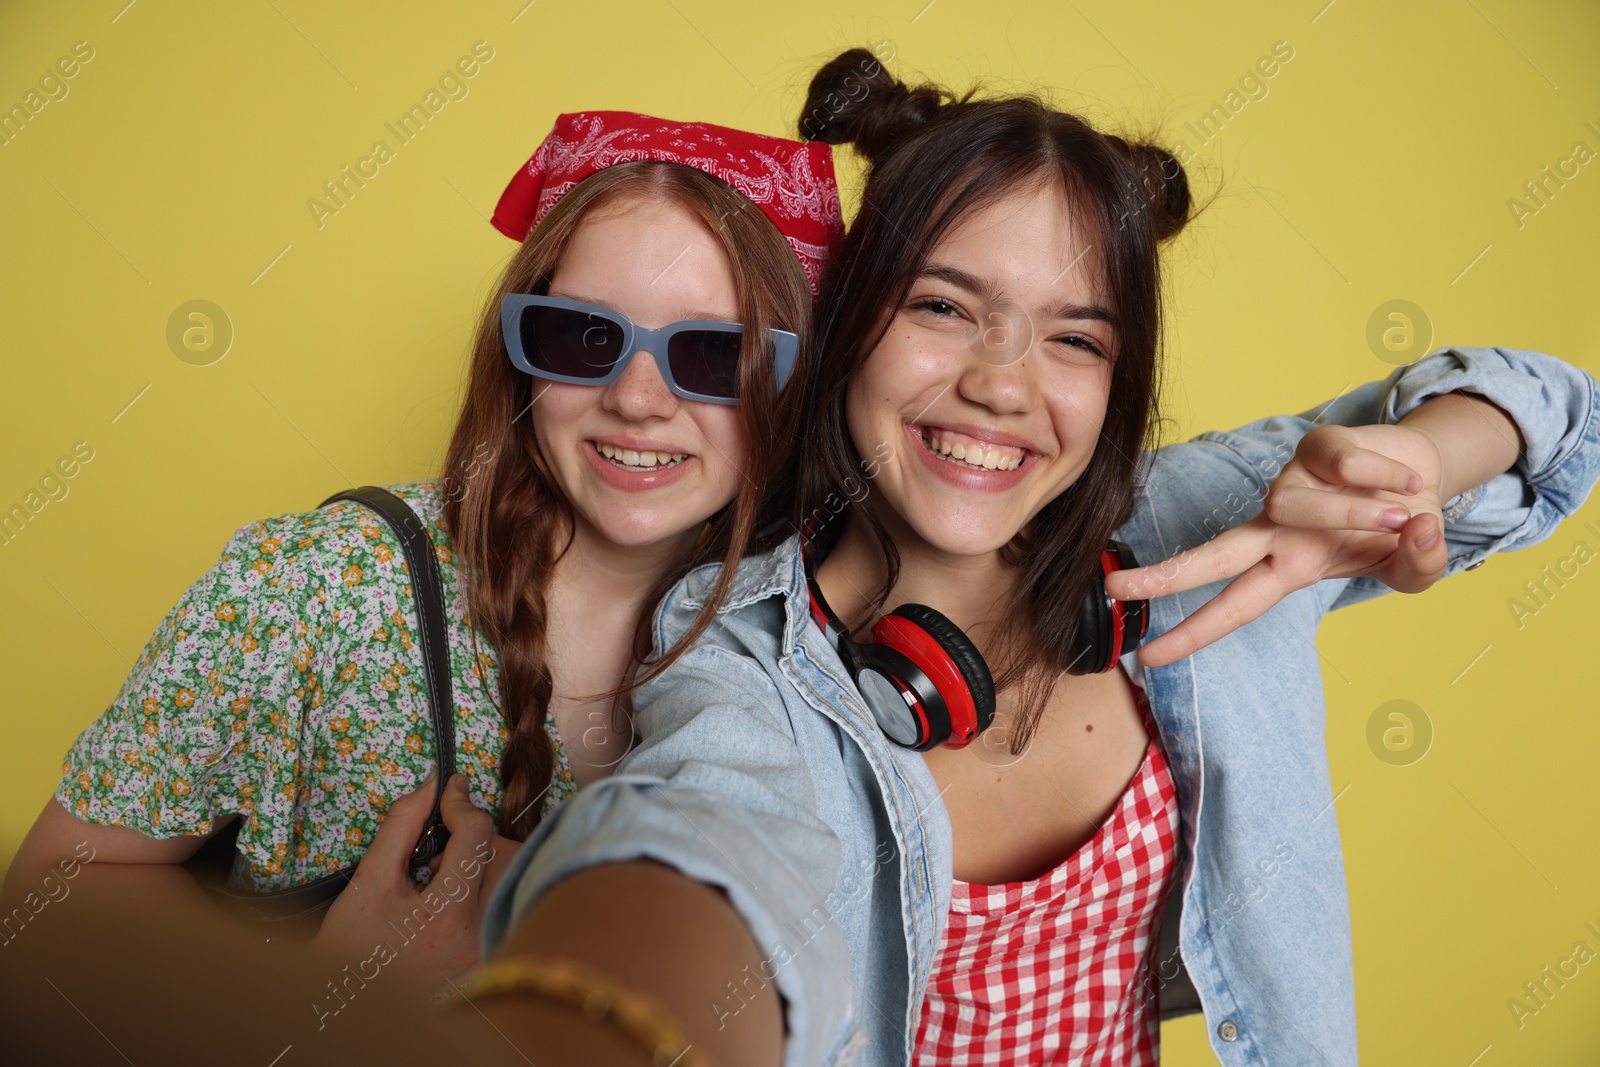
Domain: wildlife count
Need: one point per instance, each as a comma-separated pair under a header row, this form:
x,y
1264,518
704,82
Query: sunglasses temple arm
x,y
510,337
785,347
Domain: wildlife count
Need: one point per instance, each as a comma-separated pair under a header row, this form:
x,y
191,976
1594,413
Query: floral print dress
x,y
287,685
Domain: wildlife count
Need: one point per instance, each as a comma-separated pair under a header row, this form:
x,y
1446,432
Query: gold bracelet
x,y
596,995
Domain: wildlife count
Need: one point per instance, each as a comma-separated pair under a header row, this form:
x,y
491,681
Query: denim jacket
x,y
760,770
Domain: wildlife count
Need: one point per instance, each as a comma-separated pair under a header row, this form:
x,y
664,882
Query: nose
x,y
1005,387
640,393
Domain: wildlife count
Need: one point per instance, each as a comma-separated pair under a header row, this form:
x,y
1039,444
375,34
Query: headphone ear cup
x,y
1135,613
1091,652
962,652
905,702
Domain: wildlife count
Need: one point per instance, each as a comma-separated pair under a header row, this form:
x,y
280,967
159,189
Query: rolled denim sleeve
x,y
1556,406
717,790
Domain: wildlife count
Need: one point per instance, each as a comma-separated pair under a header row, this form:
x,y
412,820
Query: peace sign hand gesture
x,y
1354,501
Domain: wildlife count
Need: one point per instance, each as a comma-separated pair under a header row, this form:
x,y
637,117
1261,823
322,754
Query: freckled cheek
x,y
723,444
564,397
551,435
556,411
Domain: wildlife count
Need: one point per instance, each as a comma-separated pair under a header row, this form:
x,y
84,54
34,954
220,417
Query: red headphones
x,y
926,683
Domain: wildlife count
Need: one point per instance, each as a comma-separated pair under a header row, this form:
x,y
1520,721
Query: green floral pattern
x,y
287,685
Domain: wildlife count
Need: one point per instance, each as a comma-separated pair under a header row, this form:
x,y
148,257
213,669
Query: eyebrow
x,y
983,288
691,314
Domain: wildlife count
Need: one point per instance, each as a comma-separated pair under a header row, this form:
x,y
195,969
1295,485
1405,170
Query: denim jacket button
x,y
1228,1031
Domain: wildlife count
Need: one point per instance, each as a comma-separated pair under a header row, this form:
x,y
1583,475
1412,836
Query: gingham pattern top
x,y
1057,970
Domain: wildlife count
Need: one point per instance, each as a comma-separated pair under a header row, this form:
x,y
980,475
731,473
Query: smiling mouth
x,y
632,460
969,452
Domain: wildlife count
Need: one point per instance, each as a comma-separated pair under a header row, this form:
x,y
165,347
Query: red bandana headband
x,y
790,181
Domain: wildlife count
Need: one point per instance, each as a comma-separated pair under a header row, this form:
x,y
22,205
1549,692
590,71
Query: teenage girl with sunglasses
x,y
916,755
619,427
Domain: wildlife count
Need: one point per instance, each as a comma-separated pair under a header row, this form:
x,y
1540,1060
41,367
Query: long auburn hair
x,y
934,160
509,520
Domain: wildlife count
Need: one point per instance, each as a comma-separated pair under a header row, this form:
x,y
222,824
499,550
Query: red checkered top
x,y
1057,970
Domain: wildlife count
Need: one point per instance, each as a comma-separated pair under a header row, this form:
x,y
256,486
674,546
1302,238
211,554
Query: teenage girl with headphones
x,y
918,755
594,462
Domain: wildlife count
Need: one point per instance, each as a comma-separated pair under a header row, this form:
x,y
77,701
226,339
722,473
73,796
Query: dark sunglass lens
x,y
706,362
576,344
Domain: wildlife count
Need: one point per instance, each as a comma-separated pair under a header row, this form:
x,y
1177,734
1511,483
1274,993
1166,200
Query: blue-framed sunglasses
x,y
584,344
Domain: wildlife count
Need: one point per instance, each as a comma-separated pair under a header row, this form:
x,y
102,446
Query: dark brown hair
x,y
509,520
936,158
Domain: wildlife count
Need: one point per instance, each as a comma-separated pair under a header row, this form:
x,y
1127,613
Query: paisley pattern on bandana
x,y
792,182
287,685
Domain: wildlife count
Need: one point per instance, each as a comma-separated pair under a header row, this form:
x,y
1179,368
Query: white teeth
x,y
975,455
646,460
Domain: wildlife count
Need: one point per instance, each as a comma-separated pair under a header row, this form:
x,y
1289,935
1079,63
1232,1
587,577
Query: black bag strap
x,y
417,547
428,593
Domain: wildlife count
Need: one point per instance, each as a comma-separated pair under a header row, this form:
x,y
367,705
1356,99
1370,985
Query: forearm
x,y
166,881
1476,439
658,933
1537,404
173,986
64,855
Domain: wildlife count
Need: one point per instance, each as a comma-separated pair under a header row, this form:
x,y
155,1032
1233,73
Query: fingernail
x,y
458,782
1394,518
1414,484
1429,539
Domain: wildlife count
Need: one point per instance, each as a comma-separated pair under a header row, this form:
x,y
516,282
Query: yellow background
x,y
1377,167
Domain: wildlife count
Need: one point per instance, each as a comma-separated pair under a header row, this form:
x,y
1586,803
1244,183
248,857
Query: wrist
x,y
1448,485
595,996
1475,440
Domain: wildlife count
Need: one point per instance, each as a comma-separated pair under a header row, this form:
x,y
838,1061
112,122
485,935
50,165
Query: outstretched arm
x,y
685,874
654,931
